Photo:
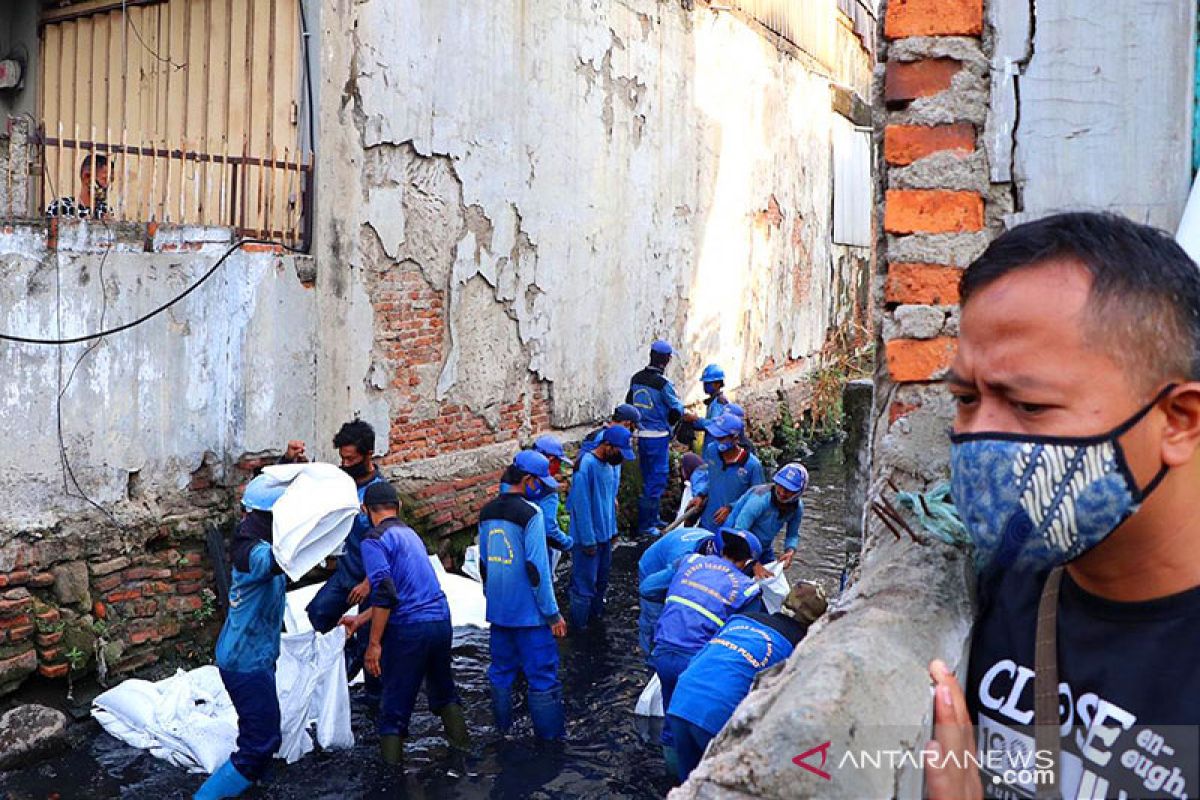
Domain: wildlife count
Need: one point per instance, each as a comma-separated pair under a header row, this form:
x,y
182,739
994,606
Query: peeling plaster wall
x,y
564,182
228,371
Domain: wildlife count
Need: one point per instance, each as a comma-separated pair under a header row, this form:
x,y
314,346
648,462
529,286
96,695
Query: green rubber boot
x,y
392,749
456,726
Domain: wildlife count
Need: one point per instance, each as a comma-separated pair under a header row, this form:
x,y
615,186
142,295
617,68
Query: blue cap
x,y
661,347
712,374
549,446
793,477
534,463
262,492
619,438
725,425
627,413
751,539
736,410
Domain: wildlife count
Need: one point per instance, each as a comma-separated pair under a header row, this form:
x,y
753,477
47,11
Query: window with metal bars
x,y
178,111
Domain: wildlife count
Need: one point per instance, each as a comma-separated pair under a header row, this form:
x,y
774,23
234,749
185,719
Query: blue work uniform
x,y
593,507
416,643
329,605
556,539
589,443
657,567
719,678
717,404
756,511
521,608
728,482
704,592
248,648
653,395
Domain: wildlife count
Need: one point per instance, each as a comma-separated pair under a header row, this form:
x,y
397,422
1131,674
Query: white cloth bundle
x,y
314,515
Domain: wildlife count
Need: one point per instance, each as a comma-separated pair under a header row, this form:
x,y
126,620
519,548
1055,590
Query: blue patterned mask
x,y
1037,501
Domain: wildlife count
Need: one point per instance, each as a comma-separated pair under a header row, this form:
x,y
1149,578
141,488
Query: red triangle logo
x,y
823,749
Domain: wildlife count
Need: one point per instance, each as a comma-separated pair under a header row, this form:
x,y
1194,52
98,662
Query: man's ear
x,y
1181,435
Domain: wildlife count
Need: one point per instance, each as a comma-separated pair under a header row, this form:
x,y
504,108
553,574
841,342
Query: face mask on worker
x,y
726,444
614,458
1040,501
356,471
535,490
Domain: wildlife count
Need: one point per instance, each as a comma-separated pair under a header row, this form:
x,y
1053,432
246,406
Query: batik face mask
x,y
1039,501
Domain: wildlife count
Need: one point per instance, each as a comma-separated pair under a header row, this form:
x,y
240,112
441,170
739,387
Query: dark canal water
x,y
609,752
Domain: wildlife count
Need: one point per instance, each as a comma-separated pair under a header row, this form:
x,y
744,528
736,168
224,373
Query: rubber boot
x,y
672,758
502,708
546,709
391,747
225,782
456,726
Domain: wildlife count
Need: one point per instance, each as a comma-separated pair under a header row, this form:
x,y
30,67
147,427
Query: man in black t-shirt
x,y
1077,443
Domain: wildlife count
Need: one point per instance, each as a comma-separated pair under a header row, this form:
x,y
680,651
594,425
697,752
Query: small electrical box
x,y
10,74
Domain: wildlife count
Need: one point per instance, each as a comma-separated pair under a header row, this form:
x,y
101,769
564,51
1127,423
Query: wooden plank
x,y
87,8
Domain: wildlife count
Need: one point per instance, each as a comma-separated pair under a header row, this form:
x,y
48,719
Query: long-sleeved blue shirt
x,y
350,562
555,536
249,640
516,570
716,405
667,551
593,502
705,592
653,395
401,576
757,512
728,482
720,675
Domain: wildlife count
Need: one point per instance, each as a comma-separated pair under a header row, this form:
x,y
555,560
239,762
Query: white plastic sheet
x,y
649,703
314,515
189,720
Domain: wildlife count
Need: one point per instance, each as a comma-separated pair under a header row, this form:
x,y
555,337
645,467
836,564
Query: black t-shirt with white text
x,y
1129,691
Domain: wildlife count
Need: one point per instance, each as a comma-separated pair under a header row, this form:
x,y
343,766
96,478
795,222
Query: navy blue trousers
x,y
412,653
531,651
647,622
257,705
327,608
690,742
589,583
669,663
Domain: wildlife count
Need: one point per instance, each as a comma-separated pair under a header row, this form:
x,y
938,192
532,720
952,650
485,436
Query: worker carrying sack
x,y
314,515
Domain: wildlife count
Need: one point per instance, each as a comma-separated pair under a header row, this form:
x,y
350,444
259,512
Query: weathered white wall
x,y
579,178
228,371
1101,103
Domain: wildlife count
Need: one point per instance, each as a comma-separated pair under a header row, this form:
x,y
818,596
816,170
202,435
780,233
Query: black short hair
x,y
86,165
1145,294
358,433
735,548
380,507
659,359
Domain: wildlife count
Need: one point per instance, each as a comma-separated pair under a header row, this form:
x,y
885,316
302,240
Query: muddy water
x,y
609,752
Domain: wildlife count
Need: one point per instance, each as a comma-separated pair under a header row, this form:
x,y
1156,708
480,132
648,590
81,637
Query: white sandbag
x,y
314,515
470,565
468,606
189,720
295,615
649,703
774,589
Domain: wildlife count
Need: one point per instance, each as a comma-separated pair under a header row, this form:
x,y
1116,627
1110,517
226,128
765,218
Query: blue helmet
x,y
725,425
549,446
262,492
531,462
712,373
793,477
736,410
750,538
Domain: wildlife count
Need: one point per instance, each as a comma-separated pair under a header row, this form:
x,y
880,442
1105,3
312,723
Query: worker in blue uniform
x,y
719,677
408,619
592,504
625,415
348,586
731,469
557,541
248,646
661,560
713,379
521,608
767,509
654,396
704,593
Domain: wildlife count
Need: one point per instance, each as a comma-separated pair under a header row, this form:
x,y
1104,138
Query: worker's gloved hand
x,y
359,593
371,659
721,515
559,628
589,551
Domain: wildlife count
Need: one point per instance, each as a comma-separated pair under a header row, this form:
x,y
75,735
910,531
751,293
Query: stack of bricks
x,y
937,215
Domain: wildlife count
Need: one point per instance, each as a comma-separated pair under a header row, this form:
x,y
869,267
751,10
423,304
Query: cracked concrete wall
x,y
562,184
1071,98
228,371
